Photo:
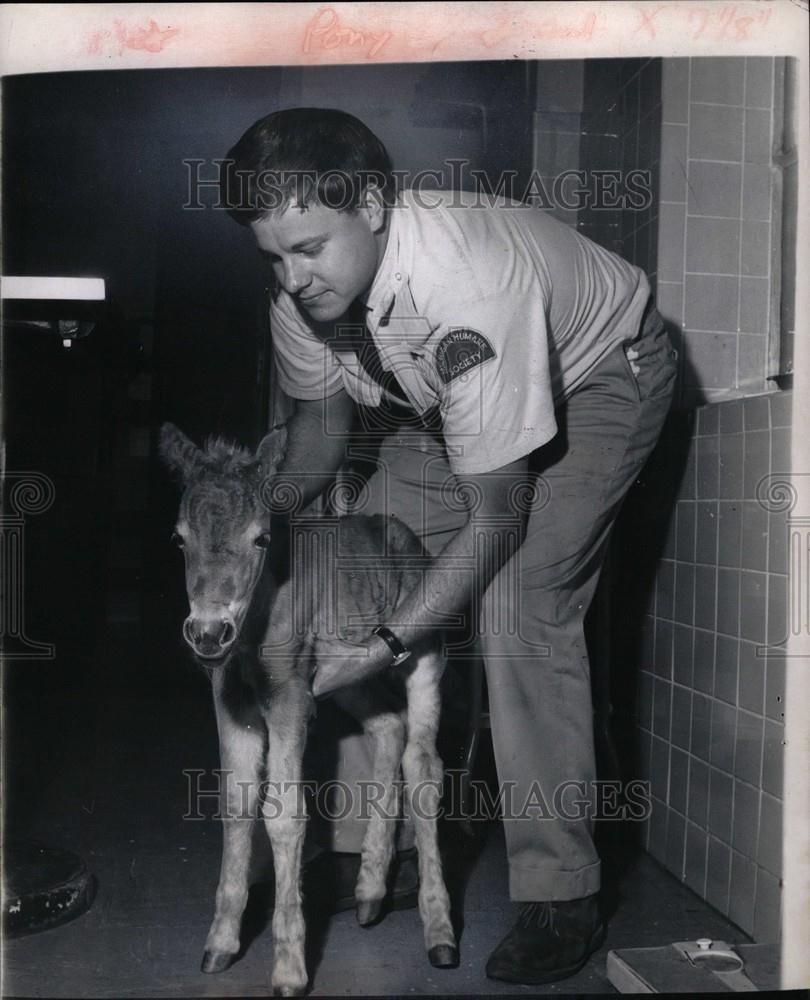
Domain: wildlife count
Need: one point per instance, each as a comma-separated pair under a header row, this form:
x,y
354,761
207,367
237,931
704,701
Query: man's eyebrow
x,y
300,245
308,241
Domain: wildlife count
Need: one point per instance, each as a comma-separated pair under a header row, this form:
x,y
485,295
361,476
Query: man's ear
x,y
271,451
373,204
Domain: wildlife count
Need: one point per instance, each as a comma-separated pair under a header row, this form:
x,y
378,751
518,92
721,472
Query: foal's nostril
x,y
210,638
189,633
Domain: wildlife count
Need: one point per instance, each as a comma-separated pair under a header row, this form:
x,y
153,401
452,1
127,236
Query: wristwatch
x,y
401,653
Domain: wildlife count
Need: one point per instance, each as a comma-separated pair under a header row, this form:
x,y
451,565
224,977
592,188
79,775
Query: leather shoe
x,y
550,941
330,878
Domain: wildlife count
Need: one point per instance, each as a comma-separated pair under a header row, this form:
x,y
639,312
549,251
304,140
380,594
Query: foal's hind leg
x,y
241,746
385,728
423,772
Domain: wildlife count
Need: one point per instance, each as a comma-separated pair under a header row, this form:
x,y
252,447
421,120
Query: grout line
x,y
756,886
722,104
715,274
682,352
770,262
705,881
728,333
740,248
698,215
703,159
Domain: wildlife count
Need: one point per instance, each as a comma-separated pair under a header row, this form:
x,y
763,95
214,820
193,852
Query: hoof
x,y
289,991
443,956
368,912
216,961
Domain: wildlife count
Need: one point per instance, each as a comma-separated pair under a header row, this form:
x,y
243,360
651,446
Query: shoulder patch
x,y
459,351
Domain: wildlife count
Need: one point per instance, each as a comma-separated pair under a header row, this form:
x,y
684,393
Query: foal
x,y
253,627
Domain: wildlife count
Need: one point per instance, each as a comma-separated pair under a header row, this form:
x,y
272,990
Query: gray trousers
x,y
531,623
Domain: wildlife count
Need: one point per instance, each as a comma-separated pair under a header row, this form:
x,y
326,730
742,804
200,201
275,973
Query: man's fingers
x,y
331,676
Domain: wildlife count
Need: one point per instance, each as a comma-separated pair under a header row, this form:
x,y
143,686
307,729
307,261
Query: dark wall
x,y
94,184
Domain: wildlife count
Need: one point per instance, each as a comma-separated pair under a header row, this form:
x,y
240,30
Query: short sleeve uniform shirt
x,y
494,313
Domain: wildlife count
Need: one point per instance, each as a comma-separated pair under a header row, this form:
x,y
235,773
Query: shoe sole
x,y
555,975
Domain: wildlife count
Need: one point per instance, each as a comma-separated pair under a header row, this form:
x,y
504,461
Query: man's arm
x,y
317,434
490,537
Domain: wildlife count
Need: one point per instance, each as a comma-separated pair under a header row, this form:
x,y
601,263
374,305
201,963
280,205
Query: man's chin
x,y
324,308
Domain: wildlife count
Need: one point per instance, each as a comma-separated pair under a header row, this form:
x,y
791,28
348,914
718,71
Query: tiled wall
x,y
639,99
557,123
700,578
610,139
718,208
704,560
603,115
710,701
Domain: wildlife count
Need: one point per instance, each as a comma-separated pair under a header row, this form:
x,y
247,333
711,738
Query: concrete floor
x,y
97,767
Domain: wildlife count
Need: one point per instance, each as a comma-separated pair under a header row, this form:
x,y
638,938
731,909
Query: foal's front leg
x,y
286,717
241,746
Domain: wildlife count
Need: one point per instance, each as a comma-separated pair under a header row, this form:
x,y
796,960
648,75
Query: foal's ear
x,y
271,450
178,451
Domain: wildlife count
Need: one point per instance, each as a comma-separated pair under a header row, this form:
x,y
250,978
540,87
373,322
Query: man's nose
x,y
295,276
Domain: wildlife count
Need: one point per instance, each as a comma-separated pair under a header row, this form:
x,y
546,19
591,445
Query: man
x,y
511,348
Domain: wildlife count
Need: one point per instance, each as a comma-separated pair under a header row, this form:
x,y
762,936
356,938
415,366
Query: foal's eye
x,y
178,539
263,540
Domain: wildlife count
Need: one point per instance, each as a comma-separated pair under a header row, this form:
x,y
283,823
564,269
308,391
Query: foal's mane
x,y
225,457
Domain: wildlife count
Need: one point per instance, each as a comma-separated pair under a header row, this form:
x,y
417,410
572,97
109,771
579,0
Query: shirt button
x,y
398,276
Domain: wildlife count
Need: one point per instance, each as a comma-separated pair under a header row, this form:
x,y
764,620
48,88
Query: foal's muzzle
x,y
211,639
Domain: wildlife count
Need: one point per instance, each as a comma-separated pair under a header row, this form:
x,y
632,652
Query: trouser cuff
x,y
532,885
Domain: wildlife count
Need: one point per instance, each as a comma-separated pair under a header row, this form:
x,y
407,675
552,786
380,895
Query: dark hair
x,y
303,154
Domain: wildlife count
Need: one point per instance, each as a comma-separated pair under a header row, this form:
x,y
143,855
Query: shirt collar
x,y
390,276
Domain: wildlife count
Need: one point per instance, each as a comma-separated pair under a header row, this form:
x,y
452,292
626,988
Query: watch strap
x,y
400,651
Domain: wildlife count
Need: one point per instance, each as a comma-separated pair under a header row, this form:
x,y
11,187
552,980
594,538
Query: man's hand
x,y
488,540
339,662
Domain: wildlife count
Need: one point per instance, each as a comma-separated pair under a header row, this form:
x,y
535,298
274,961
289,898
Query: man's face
x,y
322,257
